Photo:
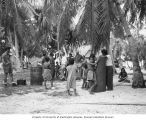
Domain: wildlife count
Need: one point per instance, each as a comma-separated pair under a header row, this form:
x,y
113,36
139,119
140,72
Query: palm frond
x,y
117,27
142,9
135,7
27,8
66,19
96,23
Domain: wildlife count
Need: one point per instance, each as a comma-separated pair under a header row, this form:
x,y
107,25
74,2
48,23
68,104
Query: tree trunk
x,y
144,63
59,24
21,57
91,31
18,63
138,79
58,34
58,30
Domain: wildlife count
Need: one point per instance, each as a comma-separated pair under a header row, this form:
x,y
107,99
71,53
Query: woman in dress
x,y
100,82
71,77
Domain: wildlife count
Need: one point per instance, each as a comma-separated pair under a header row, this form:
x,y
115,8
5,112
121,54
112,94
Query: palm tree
x,y
135,8
51,15
101,16
13,19
57,13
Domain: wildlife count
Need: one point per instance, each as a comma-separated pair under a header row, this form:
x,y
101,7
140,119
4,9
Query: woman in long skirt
x,y
100,83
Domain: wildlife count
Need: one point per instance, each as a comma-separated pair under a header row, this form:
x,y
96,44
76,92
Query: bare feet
x,y
68,92
91,92
53,88
46,88
5,84
76,94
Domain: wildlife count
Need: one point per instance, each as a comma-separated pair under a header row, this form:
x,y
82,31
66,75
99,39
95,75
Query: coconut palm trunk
x,y
138,79
18,63
144,63
58,29
144,55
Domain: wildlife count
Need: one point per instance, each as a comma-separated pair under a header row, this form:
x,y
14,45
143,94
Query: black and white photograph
x,y
72,59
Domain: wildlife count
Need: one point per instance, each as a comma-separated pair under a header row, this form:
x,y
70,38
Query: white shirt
x,y
25,59
64,60
109,61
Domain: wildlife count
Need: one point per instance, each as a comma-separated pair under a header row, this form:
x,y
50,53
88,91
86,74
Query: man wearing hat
x,y
7,65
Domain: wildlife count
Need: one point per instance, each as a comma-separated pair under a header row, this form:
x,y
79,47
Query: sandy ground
x,y
35,99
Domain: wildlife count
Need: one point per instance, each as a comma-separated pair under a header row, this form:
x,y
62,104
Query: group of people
x,y
69,69
96,73
50,70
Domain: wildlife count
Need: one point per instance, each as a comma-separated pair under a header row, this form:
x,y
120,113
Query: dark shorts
x,y
53,73
8,69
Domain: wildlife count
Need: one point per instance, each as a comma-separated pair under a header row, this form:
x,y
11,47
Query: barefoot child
x,y
123,76
91,74
46,71
84,76
71,76
57,67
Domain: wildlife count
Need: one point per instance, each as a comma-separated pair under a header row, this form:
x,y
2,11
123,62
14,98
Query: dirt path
x,y
35,99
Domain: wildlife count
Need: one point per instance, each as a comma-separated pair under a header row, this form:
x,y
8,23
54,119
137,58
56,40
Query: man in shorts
x,y
7,65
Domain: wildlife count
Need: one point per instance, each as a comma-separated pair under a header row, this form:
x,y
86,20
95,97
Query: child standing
x,y
84,75
57,67
46,71
71,76
91,72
